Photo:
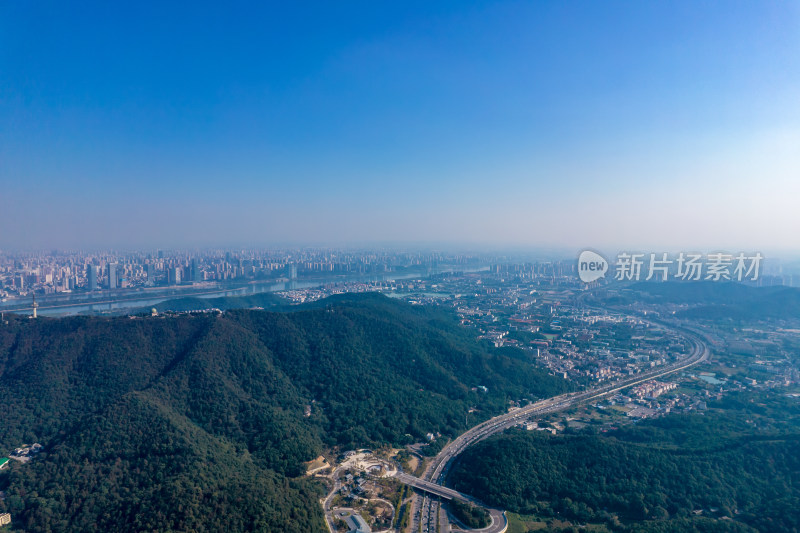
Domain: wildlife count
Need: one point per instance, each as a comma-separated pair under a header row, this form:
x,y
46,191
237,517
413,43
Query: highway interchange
x,y
426,509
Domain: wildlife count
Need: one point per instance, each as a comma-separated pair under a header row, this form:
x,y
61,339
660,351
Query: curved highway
x,y
432,481
437,470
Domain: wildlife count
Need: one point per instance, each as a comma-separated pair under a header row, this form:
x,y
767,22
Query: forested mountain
x,y
197,422
711,472
711,300
264,300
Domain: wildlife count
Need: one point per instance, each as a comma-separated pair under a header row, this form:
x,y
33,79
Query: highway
x,y
433,488
438,466
436,472
427,514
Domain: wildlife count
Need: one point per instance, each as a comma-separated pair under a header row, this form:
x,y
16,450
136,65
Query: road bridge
x,y
437,471
431,482
433,488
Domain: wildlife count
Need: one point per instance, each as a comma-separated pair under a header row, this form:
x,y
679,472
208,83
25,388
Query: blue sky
x,y
628,124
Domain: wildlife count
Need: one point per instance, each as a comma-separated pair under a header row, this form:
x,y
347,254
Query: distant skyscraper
x,y
195,272
174,276
112,275
91,278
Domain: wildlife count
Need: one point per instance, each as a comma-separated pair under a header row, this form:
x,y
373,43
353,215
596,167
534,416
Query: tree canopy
x,y
202,422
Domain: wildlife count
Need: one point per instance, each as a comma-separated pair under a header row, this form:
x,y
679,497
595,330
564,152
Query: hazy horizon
x,y
655,127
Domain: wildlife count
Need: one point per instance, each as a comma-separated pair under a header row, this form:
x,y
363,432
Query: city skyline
x,y
488,124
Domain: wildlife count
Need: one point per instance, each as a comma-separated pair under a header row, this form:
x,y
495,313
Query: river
x,y
121,301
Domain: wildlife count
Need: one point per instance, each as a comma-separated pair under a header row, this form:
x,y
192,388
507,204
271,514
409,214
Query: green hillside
x,y
720,300
197,422
265,300
711,472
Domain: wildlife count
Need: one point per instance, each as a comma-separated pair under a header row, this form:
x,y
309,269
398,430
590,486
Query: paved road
x,y
433,488
438,467
326,504
425,518
433,478
436,472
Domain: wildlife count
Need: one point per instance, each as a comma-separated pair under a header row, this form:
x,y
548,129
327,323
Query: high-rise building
x,y
196,274
91,277
112,276
174,276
